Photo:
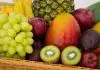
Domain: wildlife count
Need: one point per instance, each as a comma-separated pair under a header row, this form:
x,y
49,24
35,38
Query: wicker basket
x,y
16,64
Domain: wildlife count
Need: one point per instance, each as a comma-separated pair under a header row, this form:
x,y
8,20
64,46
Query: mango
x,y
63,31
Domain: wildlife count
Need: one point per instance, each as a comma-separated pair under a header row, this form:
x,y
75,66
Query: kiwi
x,y
71,55
50,54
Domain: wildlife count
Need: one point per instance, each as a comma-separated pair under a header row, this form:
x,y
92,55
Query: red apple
x,y
97,51
89,59
39,26
85,18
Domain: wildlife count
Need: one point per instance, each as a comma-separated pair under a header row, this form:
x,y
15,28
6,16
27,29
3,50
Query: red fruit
x,y
97,51
98,66
89,59
85,18
64,31
39,26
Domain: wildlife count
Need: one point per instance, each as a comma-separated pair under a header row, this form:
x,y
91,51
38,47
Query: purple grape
x,y
35,56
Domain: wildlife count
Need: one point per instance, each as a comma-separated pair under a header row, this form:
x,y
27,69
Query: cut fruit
x,y
50,54
71,55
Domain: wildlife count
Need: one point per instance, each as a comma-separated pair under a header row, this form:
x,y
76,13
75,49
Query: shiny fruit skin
x,y
64,31
89,59
84,17
39,27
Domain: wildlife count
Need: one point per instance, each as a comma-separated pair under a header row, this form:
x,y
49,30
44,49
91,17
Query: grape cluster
x,y
15,36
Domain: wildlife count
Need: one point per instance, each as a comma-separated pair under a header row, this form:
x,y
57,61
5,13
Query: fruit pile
x,y
15,36
71,37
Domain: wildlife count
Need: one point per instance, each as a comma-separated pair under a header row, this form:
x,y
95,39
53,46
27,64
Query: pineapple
x,y
48,9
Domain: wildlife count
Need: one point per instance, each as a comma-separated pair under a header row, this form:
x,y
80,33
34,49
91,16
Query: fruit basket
x,y
48,35
15,64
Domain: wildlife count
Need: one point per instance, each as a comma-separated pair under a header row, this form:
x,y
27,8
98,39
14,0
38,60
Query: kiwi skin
x,y
52,58
75,60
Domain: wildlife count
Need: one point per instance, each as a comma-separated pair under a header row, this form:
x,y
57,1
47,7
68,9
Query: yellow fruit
x,y
23,7
3,8
18,8
9,9
27,5
6,8
96,27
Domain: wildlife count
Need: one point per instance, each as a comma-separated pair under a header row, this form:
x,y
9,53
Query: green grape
x,y
19,38
13,43
29,34
11,50
19,48
25,26
3,33
11,33
29,28
24,19
22,34
1,41
18,18
12,21
5,47
7,40
1,49
30,41
16,56
3,54
6,26
1,26
8,55
16,27
25,42
3,18
22,53
29,49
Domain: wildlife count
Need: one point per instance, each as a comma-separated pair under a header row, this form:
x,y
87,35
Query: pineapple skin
x,y
48,9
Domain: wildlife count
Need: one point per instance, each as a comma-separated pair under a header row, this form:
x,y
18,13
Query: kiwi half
x,y
50,54
71,55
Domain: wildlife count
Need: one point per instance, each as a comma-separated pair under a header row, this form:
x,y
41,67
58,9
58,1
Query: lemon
x,y
96,27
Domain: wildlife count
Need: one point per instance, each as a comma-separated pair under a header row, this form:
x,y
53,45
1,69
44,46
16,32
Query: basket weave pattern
x,y
16,64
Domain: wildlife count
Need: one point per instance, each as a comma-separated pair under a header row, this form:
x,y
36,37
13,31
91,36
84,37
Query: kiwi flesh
x,y
50,54
71,55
